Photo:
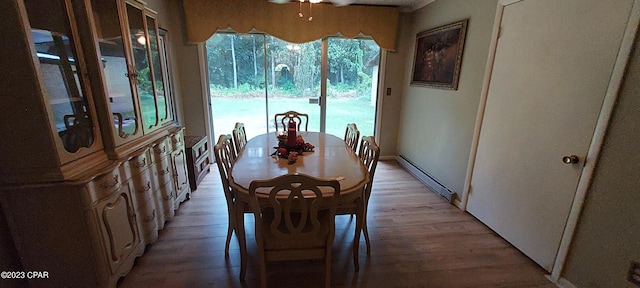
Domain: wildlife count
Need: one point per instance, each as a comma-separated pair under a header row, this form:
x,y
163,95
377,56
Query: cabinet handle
x,y
142,164
164,172
168,197
160,150
145,189
147,219
106,185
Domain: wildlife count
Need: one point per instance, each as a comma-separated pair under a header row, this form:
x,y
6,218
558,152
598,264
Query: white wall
x,y
436,125
394,79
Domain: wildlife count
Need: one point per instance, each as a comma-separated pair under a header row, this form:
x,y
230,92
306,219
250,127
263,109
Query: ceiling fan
x,y
335,2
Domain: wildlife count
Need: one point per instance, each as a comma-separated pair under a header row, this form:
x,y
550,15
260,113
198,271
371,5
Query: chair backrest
x,y
282,119
223,151
369,154
239,137
351,136
293,202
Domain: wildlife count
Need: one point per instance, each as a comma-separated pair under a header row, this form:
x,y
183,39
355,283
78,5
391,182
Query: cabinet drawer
x,y
102,185
142,187
167,197
160,150
139,163
162,172
147,214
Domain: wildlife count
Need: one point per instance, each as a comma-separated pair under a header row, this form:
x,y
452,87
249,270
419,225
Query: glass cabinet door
x,y
61,72
143,71
114,63
161,102
164,57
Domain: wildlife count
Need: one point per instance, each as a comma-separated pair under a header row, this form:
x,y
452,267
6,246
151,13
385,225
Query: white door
x,y
552,67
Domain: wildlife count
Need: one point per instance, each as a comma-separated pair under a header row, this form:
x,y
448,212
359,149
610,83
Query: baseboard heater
x,y
427,179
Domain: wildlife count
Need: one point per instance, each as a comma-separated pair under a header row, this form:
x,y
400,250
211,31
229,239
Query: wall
x,y
394,79
608,233
186,64
436,126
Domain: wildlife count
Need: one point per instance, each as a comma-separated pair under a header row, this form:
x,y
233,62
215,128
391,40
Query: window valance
x,y
204,17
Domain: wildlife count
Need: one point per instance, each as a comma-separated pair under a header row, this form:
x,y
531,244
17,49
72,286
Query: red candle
x,y
291,136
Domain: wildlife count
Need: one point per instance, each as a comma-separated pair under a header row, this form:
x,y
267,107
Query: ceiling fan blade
x,y
280,1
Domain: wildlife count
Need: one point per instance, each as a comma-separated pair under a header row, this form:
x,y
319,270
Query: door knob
x,y
573,159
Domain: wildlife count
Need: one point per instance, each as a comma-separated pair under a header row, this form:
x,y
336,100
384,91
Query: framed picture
x,y
438,55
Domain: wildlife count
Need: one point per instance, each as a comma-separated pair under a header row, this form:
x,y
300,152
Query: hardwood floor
x,y
417,239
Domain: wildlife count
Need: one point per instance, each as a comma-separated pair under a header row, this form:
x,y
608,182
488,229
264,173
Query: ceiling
x,y
405,5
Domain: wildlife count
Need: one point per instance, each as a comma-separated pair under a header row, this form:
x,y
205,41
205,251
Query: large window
x,y
254,76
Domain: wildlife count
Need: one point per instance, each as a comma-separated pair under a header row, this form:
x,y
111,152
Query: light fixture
x,y
310,2
139,36
142,40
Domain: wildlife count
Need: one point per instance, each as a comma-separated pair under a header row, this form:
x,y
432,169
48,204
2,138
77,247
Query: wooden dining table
x,y
331,159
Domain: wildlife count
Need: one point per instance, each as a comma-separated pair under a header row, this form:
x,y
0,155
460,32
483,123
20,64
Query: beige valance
x,y
205,17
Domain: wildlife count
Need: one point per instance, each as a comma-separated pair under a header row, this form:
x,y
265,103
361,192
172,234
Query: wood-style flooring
x,y
417,239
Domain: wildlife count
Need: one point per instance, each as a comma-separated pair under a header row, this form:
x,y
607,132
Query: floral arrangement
x,y
291,153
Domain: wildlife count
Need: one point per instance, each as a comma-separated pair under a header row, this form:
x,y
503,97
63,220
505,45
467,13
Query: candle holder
x,y
291,152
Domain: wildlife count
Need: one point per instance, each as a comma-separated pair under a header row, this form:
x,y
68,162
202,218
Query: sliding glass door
x,y
294,79
352,85
254,76
236,67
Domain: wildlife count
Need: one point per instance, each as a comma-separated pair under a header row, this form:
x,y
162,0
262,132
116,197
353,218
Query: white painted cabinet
x,y
92,161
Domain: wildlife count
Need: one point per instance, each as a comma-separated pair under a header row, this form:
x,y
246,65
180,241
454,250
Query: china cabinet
x,y
93,159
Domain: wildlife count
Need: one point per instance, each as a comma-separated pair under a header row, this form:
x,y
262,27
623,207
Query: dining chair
x,y
239,137
223,151
369,153
294,219
282,119
351,136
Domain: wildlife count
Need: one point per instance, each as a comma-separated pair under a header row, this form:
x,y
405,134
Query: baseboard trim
x,y
562,282
388,158
427,180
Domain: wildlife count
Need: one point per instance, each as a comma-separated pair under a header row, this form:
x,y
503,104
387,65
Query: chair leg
x,y
231,213
263,271
230,228
226,245
327,270
263,265
239,225
365,230
327,257
356,239
366,235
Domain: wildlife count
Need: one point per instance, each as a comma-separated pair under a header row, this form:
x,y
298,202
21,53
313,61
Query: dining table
x,y
331,158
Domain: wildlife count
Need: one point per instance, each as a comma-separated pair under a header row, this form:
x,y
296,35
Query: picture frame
x,y
438,56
